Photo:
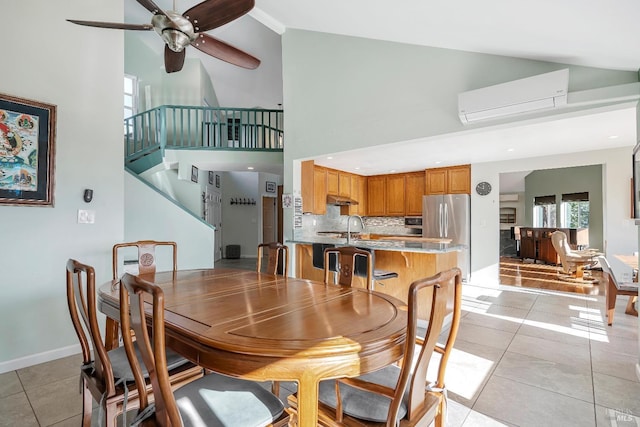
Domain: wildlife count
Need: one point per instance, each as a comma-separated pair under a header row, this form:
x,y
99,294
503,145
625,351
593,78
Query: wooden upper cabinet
x,y
333,183
451,180
376,195
459,180
414,189
344,184
359,194
314,188
395,187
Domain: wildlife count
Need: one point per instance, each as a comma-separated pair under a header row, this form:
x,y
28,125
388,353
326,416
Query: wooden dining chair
x,y
401,395
613,288
146,255
213,400
345,264
277,254
105,374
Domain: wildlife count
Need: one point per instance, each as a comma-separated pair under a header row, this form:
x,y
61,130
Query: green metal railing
x,y
178,127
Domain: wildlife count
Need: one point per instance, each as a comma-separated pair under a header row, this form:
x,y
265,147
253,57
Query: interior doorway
x,y
269,220
213,215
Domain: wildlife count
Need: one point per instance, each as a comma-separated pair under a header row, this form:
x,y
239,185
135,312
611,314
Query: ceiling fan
x,y
181,30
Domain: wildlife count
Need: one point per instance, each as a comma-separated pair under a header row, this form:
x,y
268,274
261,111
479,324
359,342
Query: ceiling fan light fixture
x,y
175,39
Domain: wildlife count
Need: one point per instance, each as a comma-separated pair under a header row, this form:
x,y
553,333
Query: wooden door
x,y
376,195
413,192
395,195
269,225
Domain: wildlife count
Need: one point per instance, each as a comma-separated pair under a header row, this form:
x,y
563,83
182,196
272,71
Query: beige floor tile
x,y
528,406
456,414
611,417
616,344
55,402
494,316
9,384
510,298
483,335
470,367
614,392
16,411
476,419
560,304
46,373
615,364
567,379
556,328
554,351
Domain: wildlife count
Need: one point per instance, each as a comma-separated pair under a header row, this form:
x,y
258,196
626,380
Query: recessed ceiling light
x,y
250,168
358,168
329,158
511,149
613,136
392,171
437,162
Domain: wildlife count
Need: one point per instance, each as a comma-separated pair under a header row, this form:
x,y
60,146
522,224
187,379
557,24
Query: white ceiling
x,y
581,32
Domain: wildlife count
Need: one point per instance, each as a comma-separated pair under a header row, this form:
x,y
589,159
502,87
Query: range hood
x,y
340,200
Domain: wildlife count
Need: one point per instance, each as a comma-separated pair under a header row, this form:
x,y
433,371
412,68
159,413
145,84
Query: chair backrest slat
x,y
346,256
146,255
276,252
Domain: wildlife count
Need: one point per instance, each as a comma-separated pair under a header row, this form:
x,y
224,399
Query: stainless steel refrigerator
x,y
448,216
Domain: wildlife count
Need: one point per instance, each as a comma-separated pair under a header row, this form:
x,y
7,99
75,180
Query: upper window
x,y
544,211
575,210
130,98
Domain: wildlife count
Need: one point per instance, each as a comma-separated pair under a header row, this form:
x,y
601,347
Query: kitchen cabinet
x,y
333,182
449,180
395,187
414,190
314,188
507,215
376,198
358,193
344,184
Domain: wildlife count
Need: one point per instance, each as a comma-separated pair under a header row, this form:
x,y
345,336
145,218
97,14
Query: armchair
x,y
572,261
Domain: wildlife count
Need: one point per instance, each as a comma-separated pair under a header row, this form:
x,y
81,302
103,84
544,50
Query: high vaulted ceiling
x,y
581,32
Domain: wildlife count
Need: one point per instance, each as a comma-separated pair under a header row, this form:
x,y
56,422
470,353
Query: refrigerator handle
x,y
440,219
446,220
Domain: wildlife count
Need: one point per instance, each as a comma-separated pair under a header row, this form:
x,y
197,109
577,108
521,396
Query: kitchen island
x,y
410,259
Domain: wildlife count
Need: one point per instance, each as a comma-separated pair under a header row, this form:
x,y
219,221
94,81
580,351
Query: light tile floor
x,y
523,357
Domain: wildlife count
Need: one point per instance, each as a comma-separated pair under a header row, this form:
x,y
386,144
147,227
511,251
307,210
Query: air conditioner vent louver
x,y
544,91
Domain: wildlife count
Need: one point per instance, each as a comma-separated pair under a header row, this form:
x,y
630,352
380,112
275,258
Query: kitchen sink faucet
x,y
349,226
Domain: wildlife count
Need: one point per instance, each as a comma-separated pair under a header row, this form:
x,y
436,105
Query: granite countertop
x,y
381,244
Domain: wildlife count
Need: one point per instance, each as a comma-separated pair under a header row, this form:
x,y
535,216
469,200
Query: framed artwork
x,y
217,181
194,174
27,151
211,177
271,187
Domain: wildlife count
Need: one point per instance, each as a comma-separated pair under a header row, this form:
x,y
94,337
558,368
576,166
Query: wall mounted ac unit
x,y
508,197
544,91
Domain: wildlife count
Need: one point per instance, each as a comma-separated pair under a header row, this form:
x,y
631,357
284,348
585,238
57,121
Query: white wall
x,y
619,230
240,222
151,216
80,70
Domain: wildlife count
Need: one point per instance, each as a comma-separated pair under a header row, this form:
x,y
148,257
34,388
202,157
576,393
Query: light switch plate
x,y
86,216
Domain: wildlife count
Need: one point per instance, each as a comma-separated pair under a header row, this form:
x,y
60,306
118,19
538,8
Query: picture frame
x,y
217,181
194,174
27,151
211,174
271,187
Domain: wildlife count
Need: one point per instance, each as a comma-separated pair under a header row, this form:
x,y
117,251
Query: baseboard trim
x,y
35,359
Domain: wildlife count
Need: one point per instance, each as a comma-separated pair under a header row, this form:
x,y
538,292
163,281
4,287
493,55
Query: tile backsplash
x,y
333,221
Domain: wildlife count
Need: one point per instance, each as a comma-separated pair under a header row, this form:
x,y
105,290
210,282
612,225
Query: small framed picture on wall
x,y
211,174
271,187
194,174
217,181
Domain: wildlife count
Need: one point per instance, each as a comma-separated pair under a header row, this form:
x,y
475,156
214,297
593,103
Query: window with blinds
x,y
544,211
574,210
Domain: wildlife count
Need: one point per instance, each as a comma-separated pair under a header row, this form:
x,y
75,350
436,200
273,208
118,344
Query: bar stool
x,y
360,269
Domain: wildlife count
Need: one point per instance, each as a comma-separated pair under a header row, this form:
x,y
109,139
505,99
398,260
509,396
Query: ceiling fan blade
x,y
151,7
115,25
226,52
212,14
173,61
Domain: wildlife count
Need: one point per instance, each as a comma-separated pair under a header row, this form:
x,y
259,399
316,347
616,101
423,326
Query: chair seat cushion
x,y
219,400
122,369
363,404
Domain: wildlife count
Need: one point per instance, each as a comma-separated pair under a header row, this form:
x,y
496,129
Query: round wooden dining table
x,y
267,327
